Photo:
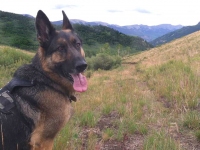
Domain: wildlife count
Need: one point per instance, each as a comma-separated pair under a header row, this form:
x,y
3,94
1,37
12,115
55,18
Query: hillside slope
x,y
10,59
151,102
18,31
102,34
175,34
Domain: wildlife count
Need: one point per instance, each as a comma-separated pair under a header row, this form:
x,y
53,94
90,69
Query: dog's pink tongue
x,y
80,82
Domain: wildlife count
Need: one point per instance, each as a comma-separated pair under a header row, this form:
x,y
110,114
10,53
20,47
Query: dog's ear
x,y
66,22
44,28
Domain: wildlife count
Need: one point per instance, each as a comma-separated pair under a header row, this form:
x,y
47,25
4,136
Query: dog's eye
x,y
60,48
78,45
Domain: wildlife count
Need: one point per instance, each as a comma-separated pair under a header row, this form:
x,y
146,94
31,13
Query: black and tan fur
x,y
43,109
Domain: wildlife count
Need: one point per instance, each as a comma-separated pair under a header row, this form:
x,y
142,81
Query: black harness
x,y
6,99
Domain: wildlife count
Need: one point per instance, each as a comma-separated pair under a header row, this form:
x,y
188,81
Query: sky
x,y
119,12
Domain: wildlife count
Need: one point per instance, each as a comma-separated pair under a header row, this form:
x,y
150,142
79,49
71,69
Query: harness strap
x,y
17,82
6,99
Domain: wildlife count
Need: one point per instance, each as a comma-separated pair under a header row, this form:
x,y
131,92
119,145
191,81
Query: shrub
x,y
103,61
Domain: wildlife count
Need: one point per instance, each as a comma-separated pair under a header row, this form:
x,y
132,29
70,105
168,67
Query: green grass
x,y
66,134
160,141
88,119
108,133
132,127
107,109
197,134
192,120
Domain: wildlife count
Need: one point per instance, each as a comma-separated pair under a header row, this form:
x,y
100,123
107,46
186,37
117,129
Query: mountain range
x,y
176,34
149,33
156,35
19,31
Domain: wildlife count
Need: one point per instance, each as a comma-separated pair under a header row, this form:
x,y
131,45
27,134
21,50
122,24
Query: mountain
x,y
148,33
78,21
73,21
27,15
176,34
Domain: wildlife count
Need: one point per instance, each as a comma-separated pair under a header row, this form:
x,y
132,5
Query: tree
x,y
119,46
128,50
105,48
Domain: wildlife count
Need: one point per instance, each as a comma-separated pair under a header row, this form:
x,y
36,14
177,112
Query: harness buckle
x,y
6,102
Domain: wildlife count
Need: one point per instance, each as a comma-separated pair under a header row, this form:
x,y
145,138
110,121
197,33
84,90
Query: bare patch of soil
x,y
165,102
132,142
107,121
129,142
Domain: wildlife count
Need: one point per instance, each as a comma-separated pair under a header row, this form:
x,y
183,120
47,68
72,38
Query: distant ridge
x,y
148,33
175,34
27,15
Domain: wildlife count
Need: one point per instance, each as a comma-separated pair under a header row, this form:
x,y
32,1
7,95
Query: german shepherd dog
x,y
43,109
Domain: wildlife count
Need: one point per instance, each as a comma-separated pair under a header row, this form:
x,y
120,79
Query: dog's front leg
x,y
39,142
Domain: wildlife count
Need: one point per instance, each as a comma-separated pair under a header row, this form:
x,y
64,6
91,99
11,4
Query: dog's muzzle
x,y
80,66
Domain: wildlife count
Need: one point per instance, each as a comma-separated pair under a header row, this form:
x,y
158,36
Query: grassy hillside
x,y
102,34
151,102
10,60
18,31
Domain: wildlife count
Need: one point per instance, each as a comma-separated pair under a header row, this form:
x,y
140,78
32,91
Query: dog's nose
x,y
81,66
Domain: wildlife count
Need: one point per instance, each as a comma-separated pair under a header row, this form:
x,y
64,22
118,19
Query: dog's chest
x,y
55,111
55,105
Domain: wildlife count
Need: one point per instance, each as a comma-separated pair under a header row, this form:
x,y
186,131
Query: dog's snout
x,y
81,66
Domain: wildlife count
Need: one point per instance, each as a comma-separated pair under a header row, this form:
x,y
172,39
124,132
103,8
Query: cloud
x,y
114,11
142,11
60,6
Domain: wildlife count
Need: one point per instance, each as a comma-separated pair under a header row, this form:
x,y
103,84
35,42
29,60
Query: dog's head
x,y
61,51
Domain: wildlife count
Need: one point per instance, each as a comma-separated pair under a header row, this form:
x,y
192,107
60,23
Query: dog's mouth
x,y
79,82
